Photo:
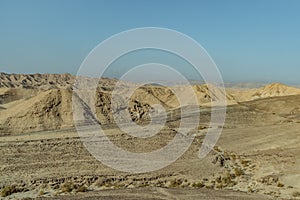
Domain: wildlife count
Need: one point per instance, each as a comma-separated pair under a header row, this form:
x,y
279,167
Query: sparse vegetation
x,y
81,189
238,172
198,185
210,186
67,187
280,184
296,194
41,192
245,163
175,183
221,169
8,190
202,127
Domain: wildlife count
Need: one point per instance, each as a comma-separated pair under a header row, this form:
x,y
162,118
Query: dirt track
x,y
163,194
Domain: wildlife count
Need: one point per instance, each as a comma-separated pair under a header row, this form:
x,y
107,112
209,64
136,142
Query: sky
x,y
250,41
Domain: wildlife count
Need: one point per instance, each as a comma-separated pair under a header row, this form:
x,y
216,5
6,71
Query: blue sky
x,y
257,40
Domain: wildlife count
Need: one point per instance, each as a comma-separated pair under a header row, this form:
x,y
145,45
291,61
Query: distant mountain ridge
x,y
62,80
35,80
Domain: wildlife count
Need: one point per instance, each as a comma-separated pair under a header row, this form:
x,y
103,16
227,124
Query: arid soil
x,y
159,193
42,156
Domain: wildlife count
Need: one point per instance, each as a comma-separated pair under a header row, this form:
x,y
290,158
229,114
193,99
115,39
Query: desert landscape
x,y
43,157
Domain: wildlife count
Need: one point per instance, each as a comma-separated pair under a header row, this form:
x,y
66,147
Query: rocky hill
x,y
38,102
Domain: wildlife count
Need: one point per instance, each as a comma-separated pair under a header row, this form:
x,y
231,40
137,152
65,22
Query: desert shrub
x,y
238,172
146,184
219,179
217,149
296,194
245,162
270,179
250,190
219,186
101,182
198,185
226,178
233,156
231,184
41,192
175,183
201,127
8,190
81,189
209,186
280,185
67,187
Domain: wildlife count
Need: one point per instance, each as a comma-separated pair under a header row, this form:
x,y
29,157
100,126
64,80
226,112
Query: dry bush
x,y
296,194
8,190
41,192
67,187
175,183
280,185
238,172
81,189
198,185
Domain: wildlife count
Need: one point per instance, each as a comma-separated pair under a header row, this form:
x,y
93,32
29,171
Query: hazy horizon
x,y
233,84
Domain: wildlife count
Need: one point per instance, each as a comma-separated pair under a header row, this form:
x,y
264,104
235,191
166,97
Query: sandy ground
x,y
256,157
163,194
260,157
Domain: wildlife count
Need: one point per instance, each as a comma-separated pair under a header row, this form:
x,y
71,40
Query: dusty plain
x,y
42,156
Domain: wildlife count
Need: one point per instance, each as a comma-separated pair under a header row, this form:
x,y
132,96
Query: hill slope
x,y
271,90
44,101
